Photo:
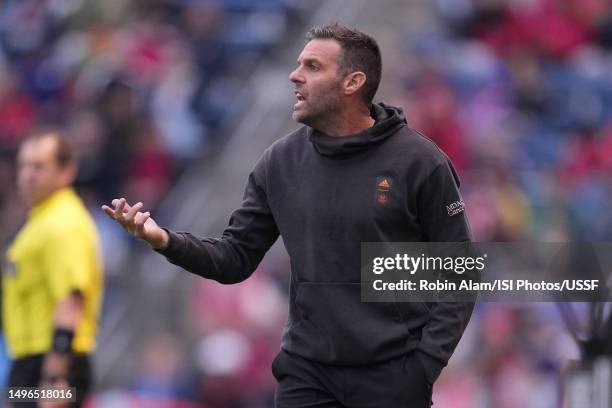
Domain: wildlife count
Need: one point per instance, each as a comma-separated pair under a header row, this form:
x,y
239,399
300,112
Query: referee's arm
x,y
56,364
67,279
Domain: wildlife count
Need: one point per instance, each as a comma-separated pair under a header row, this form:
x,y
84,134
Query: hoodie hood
x,y
389,119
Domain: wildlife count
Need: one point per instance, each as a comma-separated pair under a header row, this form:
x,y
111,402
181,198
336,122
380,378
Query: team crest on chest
x,y
383,189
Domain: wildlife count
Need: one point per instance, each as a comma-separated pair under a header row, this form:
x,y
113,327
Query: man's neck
x,y
33,204
347,123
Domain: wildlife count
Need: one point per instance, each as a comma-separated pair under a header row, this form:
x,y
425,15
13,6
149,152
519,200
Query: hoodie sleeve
x,y
442,214
234,256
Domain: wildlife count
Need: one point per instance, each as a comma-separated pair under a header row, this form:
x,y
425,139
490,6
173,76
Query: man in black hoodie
x,y
354,173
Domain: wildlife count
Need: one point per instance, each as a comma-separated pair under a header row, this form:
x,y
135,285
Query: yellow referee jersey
x,y
54,253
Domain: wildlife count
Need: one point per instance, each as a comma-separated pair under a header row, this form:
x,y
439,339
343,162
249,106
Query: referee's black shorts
x,y
399,383
26,372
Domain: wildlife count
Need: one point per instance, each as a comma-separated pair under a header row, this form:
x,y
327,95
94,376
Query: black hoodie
x,y
324,195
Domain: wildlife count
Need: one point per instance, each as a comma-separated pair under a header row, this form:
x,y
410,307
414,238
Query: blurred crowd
x,y
519,95
517,92
140,87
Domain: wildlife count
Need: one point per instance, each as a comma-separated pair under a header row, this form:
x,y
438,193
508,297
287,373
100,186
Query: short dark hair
x,y
360,52
63,150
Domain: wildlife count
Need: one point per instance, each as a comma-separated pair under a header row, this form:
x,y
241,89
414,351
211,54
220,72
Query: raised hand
x,y
137,223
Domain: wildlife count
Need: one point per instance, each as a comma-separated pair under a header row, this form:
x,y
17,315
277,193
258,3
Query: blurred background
x,y
171,102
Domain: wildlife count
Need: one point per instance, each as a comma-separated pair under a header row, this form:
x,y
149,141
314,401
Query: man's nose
x,y
296,76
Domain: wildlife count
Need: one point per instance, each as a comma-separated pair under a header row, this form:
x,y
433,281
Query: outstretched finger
x,y
108,211
116,202
129,216
141,218
119,207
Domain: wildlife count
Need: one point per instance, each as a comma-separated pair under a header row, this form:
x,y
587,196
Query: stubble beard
x,y
319,110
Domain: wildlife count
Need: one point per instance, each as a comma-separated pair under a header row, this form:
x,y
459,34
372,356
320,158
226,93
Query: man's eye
x,y
314,67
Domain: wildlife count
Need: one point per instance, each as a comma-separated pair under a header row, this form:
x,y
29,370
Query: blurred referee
x,y
53,286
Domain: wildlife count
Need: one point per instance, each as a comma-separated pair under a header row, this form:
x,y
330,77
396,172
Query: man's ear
x,y
354,82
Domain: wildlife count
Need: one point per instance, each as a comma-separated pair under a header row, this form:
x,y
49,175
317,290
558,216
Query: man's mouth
x,y
300,97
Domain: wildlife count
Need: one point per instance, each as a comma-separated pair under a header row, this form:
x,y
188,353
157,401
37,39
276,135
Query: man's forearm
x,y
68,314
210,258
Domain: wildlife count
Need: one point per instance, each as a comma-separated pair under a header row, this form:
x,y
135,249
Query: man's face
x,y
38,173
318,86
